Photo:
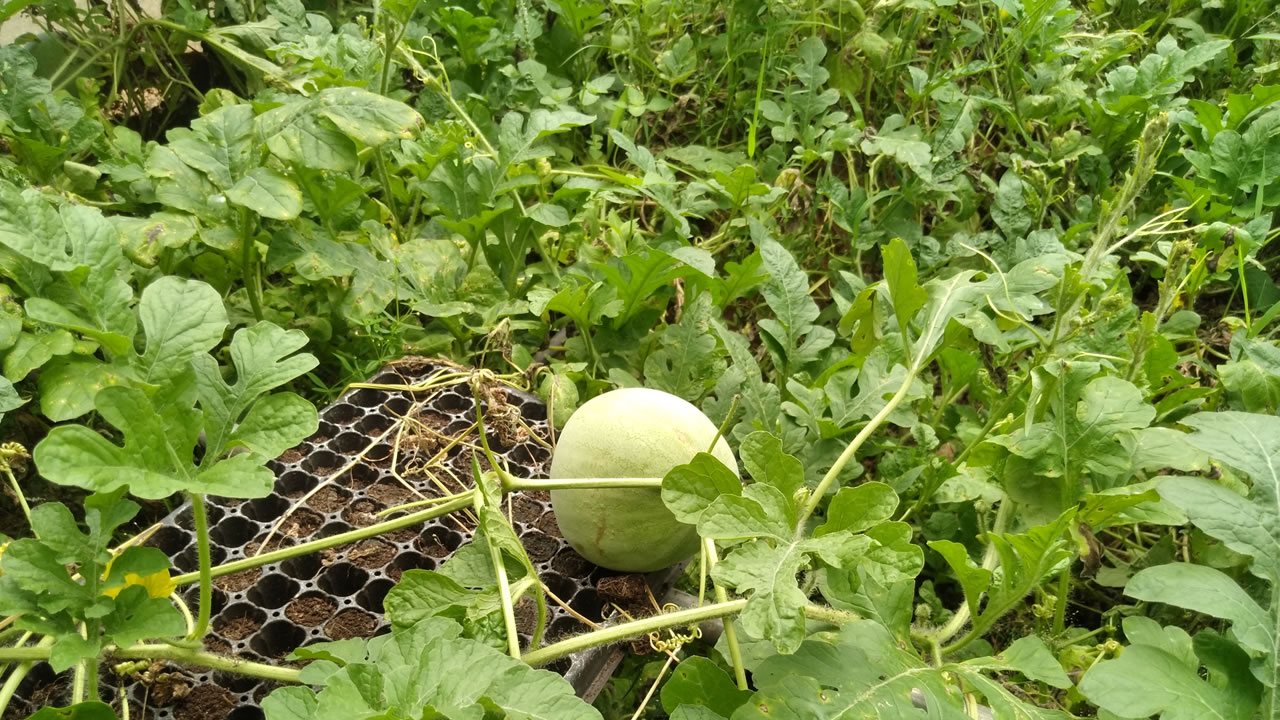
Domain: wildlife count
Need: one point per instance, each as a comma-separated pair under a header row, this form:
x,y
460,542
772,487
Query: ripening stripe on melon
x,y
629,433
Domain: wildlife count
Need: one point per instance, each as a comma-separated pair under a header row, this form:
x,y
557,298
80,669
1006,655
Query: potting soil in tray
x,y
374,449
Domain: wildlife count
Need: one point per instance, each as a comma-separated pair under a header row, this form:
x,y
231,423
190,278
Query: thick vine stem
x,y
16,676
17,491
511,483
1273,708
157,651
730,632
628,630
249,266
852,448
504,586
823,613
19,673
331,541
200,518
961,618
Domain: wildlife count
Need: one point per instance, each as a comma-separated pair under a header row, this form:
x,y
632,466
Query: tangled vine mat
x,y
374,449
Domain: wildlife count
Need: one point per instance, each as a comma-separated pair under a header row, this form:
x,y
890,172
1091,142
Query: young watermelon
x,y
629,433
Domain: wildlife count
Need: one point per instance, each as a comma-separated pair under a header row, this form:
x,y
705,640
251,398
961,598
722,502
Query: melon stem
x,y
504,586
512,484
609,635
730,631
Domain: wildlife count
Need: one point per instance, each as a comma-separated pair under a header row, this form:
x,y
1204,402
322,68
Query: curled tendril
x,y
677,640
11,451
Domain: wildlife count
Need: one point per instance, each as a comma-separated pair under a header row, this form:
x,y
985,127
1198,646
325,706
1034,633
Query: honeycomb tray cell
x,y
375,448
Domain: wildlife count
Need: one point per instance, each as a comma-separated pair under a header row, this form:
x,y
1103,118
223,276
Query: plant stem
x,y
724,424
385,178
730,632
26,654
823,613
504,585
91,679
996,416
631,629
1273,702
86,681
827,480
332,541
249,265
1060,608
199,517
653,687
1144,164
78,683
989,559
512,484
17,492
158,651
19,672
424,503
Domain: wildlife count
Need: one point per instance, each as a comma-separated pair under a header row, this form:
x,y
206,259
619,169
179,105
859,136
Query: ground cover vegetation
x,y
980,292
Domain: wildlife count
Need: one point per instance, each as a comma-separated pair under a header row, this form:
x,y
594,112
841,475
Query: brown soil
x,y
434,420
237,629
323,471
310,611
206,702
371,554
526,615
542,496
48,695
302,523
539,547
629,592
420,444
239,582
570,564
525,509
351,623
547,524
276,543
361,513
395,573
379,455
168,687
329,499
462,463
265,688
360,476
319,439
402,536
388,493
417,364
341,415
217,645
292,455
431,543
565,630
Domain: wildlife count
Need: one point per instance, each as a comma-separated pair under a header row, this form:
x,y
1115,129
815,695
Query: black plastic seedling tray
x,y
374,449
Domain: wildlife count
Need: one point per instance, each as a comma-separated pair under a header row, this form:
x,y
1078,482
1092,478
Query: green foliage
x,y
183,320
424,670
983,293
860,672
775,551
40,586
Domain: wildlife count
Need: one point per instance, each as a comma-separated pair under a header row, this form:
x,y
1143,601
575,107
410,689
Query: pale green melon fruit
x,y
629,433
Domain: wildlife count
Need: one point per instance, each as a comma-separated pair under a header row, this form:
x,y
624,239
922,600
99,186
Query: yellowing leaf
x,y
157,584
